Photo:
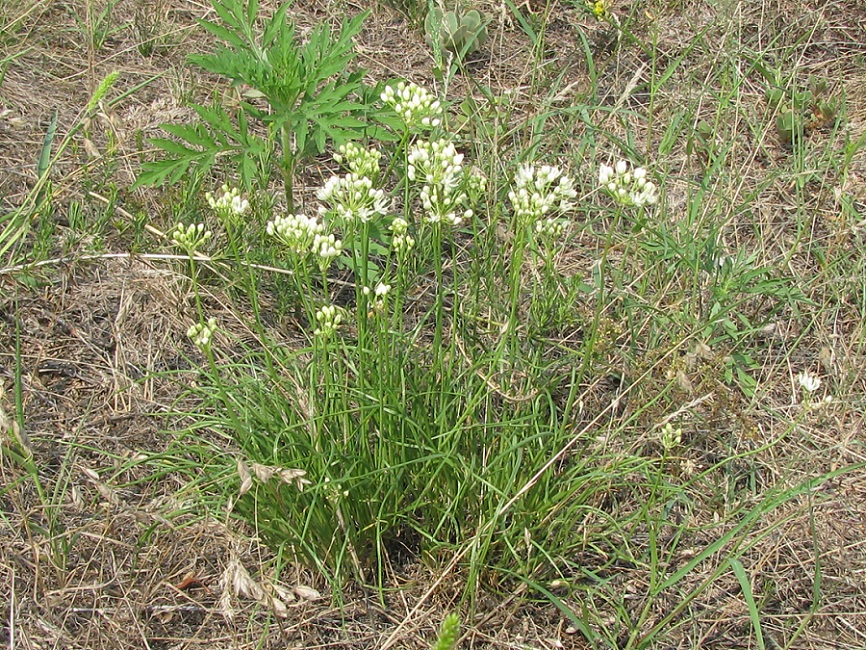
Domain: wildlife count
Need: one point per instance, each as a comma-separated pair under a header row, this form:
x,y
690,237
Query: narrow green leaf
x,y
229,17
746,587
252,12
188,133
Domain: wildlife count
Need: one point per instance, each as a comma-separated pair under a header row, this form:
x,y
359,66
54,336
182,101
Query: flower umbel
x,y
328,318
417,107
401,241
190,238
808,382
353,198
440,168
599,8
364,162
202,334
670,436
629,188
297,231
229,204
304,235
539,191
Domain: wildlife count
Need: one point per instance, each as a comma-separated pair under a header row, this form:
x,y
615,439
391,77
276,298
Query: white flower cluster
x,y
416,106
328,318
191,237
229,203
808,382
296,231
303,235
539,191
629,188
401,241
353,198
379,294
439,166
326,248
202,333
361,161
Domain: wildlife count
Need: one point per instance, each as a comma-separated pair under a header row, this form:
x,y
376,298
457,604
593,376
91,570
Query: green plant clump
x,y
455,31
800,109
303,93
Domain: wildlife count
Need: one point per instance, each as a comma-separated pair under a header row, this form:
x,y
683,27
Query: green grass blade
x,y
743,578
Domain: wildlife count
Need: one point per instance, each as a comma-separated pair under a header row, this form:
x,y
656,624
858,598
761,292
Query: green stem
x,y
437,261
288,168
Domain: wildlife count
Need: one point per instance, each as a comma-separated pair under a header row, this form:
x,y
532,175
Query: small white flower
x,y
605,174
808,382
382,290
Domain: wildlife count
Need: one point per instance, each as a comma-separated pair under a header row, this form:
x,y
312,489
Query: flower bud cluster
x,y
476,184
550,228
304,235
539,191
401,241
202,333
440,168
229,203
379,294
328,318
190,238
629,188
353,198
326,248
415,105
363,162
671,437
297,231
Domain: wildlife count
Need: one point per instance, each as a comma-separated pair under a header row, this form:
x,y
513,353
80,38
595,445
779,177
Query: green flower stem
x,y
517,256
600,297
402,152
437,262
288,168
301,275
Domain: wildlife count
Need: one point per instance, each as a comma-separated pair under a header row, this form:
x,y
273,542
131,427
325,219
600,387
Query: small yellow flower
x,y
599,8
